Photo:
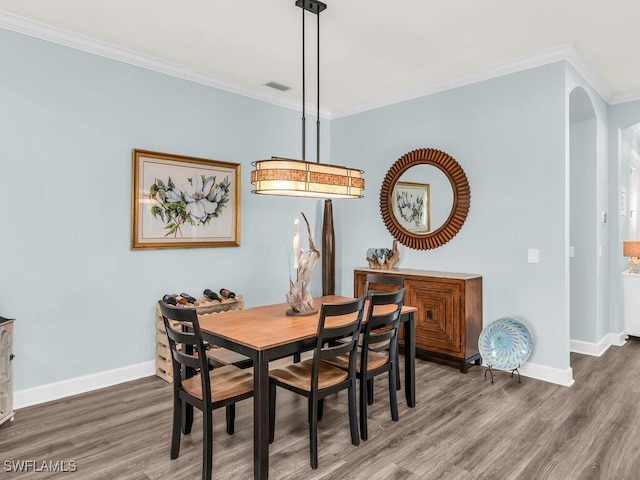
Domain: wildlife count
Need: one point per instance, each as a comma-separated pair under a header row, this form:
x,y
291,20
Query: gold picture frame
x,y
183,202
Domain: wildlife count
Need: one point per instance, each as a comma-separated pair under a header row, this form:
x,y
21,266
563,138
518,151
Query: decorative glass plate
x,y
505,344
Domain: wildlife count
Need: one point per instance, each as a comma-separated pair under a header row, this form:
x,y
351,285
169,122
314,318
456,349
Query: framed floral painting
x,y
183,202
412,206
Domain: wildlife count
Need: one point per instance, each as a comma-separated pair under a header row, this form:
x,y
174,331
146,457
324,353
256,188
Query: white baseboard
x,y
544,373
74,386
548,374
617,339
597,349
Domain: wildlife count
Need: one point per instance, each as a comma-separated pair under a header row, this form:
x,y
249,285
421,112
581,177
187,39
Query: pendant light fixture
x,y
299,178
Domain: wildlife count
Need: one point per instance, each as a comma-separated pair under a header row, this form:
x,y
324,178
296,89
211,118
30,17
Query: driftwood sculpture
x,y
298,297
383,258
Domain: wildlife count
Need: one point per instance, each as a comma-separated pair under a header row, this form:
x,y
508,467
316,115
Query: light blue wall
x,y
509,136
84,302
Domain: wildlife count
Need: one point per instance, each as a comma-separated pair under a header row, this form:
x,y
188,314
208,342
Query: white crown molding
x,y
494,71
584,68
627,97
79,42
562,53
62,37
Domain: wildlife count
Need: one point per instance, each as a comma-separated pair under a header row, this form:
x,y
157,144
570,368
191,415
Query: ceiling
x,y
373,52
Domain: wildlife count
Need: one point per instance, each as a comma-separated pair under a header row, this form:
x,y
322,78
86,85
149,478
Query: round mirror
x,y
425,198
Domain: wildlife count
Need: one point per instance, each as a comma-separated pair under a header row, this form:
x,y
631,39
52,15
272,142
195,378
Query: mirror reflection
x,y
422,199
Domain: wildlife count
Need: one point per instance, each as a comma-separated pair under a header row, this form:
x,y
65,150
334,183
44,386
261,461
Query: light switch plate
x,y
533,255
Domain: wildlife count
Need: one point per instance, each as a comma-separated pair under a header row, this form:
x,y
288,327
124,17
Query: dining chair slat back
x,y
375,282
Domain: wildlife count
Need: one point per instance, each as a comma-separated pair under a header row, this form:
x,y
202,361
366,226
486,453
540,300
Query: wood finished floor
x,y
463,428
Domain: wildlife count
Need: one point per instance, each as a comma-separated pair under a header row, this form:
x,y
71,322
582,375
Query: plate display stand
x,y
505,344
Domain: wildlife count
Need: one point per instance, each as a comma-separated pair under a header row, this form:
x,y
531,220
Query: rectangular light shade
x,y
631,248
283,176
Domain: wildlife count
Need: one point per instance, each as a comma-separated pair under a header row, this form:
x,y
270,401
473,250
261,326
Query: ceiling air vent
x,y
277,86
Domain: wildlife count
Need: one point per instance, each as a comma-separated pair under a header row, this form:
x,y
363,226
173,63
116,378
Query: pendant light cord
x,y
304,148
304,83
318,107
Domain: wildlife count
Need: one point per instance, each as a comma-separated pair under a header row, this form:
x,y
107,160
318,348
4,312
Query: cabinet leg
x,y
464,367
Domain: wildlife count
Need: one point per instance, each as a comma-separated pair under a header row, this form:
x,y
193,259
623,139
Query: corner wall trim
x,y
597,349
548,374
74,386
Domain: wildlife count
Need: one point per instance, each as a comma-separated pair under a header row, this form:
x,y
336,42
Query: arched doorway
x,y
583,219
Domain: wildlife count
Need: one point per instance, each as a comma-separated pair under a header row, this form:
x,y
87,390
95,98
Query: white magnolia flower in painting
x,y
200,201
195,194
173,196
217,195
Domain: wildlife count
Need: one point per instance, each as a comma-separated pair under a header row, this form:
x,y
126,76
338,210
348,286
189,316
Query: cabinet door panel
x,y
437,318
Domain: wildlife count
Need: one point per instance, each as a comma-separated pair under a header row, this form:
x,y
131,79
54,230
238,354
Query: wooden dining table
x,y
266,333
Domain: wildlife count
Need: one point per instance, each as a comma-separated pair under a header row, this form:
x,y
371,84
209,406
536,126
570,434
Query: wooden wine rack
x,y
164,367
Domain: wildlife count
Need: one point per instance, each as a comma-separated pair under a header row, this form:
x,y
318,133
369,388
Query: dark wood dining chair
x,y
379,351
383,283
315,379
196,384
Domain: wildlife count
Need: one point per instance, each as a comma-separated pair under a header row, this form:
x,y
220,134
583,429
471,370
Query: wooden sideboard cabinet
x,y
449,316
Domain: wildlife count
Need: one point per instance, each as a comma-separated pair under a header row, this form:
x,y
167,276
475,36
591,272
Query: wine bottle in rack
x,y
188,297
227,293
169,299
211,295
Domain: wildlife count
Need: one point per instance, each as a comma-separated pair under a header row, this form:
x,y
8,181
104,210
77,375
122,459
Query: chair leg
x,y
207,444
353,415
370,391
313,434
398,372
393,393
176,427
272,411
320,409
297,357
231,418
363,408
187,418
